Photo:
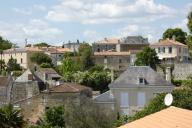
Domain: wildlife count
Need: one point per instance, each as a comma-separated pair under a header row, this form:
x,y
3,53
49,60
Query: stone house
x,y
6,83
56,53
133,89
118,53
73,46
171,51
22,55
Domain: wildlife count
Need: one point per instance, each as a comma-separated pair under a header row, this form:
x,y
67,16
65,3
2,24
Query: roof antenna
x,y
168,100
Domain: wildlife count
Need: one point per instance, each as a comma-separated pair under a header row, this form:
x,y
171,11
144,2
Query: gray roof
x,y
105,97
130,78
134,40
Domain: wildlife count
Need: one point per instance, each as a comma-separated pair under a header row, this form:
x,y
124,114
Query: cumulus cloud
x,y
35,30
97,11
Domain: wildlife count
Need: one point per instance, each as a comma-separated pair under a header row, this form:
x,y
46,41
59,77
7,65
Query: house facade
x,y
22,55
133,89
118,53
171,50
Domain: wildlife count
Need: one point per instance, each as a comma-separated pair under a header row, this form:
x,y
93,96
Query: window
x,y
120,61
162,49
98,50
21,60
141,80
170,49
179,50
124,99
159,50
140,99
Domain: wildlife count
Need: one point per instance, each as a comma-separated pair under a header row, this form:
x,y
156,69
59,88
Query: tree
x,y
5,44
10,117
87,114
189,24
179,34
85,51
45,65
43,44
147,57
182,98
12,65
54,117
40,58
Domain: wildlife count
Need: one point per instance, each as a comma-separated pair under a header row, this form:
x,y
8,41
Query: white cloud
x,y
35,30
182,24
97,11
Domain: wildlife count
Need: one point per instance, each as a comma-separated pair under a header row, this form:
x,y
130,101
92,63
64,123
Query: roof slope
x,y
130,78
105,97
69,88
171,117
168,42
24,76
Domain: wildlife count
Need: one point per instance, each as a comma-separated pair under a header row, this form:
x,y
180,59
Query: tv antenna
x,y
168,99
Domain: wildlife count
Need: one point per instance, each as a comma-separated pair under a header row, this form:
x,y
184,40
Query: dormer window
x,y
141,80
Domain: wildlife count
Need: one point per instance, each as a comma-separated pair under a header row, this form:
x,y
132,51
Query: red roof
x,y
168,42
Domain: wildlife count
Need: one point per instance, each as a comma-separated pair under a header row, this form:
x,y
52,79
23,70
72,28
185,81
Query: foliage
x,y
42,44
53,117
120,120
45,65
182,98
177,83
11,118
17,73
87,114
179,34
40,58
5,44
2,65
147,57
12,65
189,24
85,51
189,44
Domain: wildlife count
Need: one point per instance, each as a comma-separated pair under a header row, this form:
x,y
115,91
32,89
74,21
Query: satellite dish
x,y
168,99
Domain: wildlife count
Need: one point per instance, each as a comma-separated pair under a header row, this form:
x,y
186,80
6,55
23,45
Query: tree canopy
x,y
179,34
5,44
147,57
42,44
189,24
40,58
12,65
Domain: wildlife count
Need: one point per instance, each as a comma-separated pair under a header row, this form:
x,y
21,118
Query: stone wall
x,y
24,90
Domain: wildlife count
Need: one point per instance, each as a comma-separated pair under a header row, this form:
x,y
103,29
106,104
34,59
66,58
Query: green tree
x,y
45,65
5,44
189,24
179,34
182,98
12,65
87,114
85,51
11,118
147,57
40,58
53,117
42,44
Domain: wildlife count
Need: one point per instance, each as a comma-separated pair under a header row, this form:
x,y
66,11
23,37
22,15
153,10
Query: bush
x,y
45,65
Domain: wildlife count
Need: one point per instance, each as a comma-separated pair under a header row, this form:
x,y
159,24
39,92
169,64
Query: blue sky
x,y
57,21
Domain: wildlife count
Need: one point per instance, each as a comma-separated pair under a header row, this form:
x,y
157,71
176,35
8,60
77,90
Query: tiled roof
x,y
130,78
69,88
27,49
55,50
111,53
171,117
168,42
108,41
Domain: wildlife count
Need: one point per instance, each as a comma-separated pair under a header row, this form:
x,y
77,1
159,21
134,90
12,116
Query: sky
x,y
58,21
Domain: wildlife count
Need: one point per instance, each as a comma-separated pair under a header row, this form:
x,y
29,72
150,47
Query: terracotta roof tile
x,y
69,88
108,41
171,117
168,42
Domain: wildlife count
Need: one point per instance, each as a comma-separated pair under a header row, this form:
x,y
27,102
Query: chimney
x,y
173,37
105,39
168,73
